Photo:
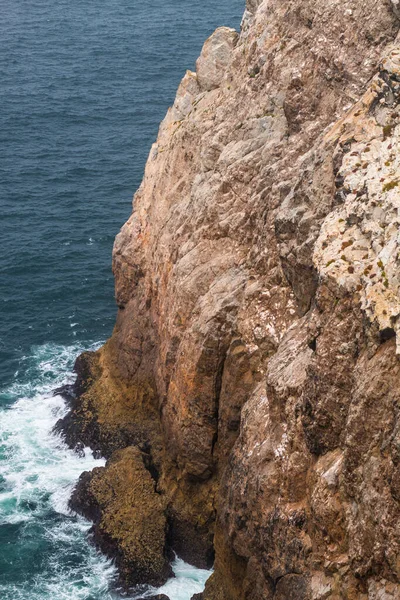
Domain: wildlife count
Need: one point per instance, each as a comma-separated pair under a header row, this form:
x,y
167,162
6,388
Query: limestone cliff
x,y
254,359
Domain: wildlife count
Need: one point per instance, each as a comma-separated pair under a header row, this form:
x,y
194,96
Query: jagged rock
x,y
257,280
215,58
108,416
128,515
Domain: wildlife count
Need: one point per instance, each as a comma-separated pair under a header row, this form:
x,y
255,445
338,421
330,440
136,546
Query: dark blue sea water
x,y
83,87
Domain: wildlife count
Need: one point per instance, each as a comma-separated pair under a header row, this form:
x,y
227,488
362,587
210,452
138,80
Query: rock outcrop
x,y
129,517
254,355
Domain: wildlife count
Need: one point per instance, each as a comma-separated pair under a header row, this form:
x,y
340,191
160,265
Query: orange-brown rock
x,y
129,517
258,289
106,413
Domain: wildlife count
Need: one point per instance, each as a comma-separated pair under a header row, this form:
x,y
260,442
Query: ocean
x,y
83,87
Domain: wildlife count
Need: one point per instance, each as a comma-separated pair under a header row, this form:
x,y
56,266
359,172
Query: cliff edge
x,y
254,362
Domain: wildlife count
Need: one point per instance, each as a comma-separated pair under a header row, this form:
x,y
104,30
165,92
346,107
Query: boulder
x,y
128,516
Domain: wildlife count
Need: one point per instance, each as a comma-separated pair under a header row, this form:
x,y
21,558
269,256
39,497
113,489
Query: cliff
x,y
254,363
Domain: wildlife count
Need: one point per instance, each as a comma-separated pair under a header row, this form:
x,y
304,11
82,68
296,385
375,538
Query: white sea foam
x,y
187,581
37,463
38,473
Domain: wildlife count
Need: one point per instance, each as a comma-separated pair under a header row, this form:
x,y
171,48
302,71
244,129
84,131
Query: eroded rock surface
x,y
129,519
257,280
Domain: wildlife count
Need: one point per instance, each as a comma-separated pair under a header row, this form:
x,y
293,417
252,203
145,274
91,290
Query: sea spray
x,y
188,581
44,551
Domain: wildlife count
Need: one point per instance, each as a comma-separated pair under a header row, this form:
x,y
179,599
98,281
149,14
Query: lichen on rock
x,y
359,243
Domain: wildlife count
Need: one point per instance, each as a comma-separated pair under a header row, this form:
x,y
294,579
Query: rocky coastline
x,y
248,401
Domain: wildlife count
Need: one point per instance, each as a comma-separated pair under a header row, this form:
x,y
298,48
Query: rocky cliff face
x,y
254,359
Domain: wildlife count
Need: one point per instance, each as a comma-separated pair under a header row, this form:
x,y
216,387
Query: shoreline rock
x,y
136,426
129,518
